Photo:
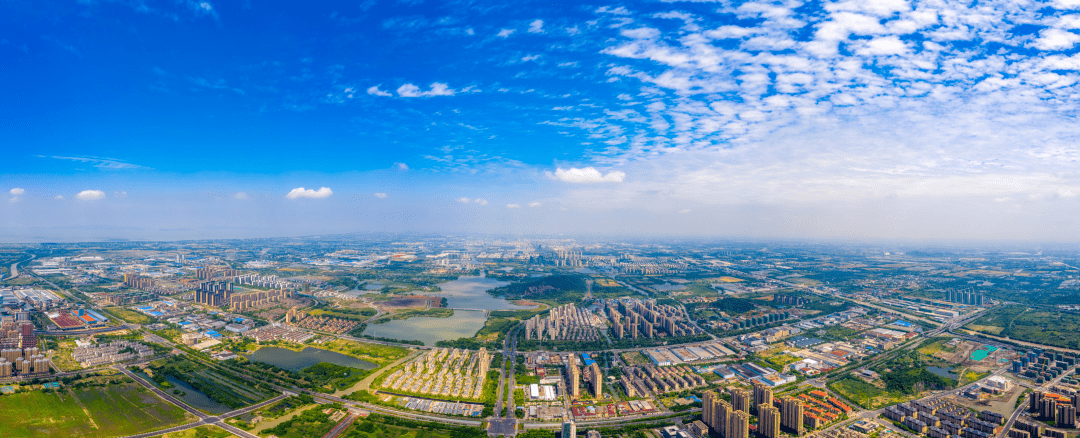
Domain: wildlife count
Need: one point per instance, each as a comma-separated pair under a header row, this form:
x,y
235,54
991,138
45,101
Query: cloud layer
x,y
300,192
90,195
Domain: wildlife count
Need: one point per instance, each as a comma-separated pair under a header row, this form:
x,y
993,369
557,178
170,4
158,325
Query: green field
x,y
129,315
200,432
1032,325
865,394
377,426
116,410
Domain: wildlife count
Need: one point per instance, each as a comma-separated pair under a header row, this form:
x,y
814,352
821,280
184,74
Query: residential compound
x,y
631,318
564,323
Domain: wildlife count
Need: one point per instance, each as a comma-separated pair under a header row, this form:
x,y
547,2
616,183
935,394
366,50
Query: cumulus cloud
x,y
59,197
480,201
513,205
401,166
380,195
463,200
505,33
586,175
537,26
437,89
375,91
1056,39
90,195
300,192
17,191
240,195
534,204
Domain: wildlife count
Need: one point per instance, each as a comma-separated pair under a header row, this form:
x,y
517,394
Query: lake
x,y
297,360
943,372
668,287
463,293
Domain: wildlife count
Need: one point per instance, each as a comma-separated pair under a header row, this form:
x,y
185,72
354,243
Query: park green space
x,y
97,411
377,426
1042,326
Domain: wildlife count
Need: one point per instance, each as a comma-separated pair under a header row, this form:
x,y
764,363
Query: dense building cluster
x,y
659,380
1059,408
220,294
941,419
276,332
563,323
442,372
321,323
633,318
1042,365
965,297
19,354
89,355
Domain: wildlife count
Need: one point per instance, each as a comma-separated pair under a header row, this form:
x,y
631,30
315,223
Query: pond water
x,y
374,285
297,360
943,372
668,286
463,293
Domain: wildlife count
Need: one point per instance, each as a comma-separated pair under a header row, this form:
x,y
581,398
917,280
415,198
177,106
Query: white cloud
x,y
586,175
505,33
120,194
300,192
530,58
1056,39
1067,4
437,89
380,195
684,211
480,201
377,92
98,162
14,199
644,33
463,200
17,191
513,205
59,197
90,195
890,45
534,204
240,195
537,26
401,166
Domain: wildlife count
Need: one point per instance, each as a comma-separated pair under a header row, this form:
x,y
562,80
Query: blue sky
x,y
849,119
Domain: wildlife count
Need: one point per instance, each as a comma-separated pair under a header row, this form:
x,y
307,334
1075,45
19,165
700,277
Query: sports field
x,y
115,410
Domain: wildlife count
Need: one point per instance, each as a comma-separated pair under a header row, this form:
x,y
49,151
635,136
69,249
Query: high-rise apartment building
x,y
569,429
762,394
741,400
791,415
768,420
738,425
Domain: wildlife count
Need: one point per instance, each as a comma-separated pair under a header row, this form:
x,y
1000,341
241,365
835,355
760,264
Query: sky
x,y
854,120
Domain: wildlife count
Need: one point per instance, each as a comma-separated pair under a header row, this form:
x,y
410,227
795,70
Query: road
x,y
341,426
500,424
15,268
203,418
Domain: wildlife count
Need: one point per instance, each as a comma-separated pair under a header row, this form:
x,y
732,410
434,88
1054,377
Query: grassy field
x,y
1032,325
865,394
377,426
377,353
129,315
116,410
200,432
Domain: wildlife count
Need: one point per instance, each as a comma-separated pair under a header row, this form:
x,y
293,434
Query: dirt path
x,y
366,383
85,411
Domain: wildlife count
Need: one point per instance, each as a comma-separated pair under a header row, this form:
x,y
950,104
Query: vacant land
x,y
865,394
116,410
1032,325
200,432
129,315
